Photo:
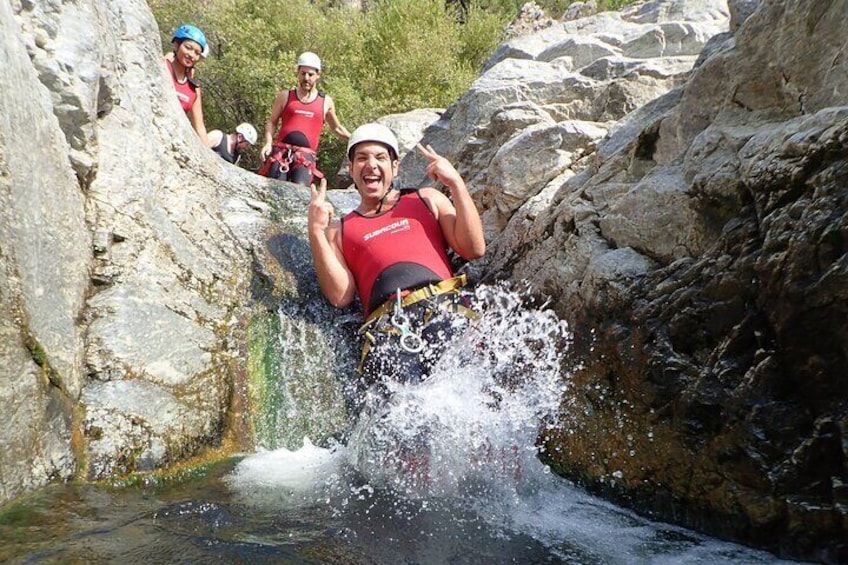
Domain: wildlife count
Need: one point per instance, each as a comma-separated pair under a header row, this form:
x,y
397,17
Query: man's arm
x,y
333,121
334,277
276,112
459,219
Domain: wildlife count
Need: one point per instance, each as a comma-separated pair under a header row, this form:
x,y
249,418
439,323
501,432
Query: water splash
x,y
467,430
473,424
450,465
285,478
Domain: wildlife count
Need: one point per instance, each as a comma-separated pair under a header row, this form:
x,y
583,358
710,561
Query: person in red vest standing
x,y
300,114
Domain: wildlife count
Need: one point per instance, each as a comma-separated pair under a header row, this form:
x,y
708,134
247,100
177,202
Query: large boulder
x,y
130,255
563,88
44,259
700,260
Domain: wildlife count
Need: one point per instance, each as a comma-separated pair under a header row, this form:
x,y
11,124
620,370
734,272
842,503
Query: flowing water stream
x,y
446,471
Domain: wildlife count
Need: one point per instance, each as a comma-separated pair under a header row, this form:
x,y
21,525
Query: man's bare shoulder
x,y
435,200
432,193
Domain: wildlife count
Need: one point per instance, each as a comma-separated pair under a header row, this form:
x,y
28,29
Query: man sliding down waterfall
x,y
393,251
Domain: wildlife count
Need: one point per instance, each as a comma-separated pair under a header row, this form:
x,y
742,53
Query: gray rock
x,y
740,10
671,177
44,261
699,262
129,251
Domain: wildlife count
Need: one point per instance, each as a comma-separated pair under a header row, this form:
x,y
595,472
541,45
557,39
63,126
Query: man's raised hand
x,y
438,168
320,211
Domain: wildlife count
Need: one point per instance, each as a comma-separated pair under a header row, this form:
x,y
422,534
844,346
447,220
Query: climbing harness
x,y
415,296
290,156
392,317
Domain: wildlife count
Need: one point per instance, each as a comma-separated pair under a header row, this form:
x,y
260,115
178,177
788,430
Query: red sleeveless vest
x,y
407,234
307,119
186,92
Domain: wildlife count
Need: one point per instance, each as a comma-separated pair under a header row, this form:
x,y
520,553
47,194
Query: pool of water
x,y
310,506
441,472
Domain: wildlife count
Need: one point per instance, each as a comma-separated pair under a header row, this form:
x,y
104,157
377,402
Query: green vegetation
x,y
264,374
39,357
397,56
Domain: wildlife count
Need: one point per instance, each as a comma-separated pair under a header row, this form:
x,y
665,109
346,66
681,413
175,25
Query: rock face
x,y
126,252
44,259
672,175
679,192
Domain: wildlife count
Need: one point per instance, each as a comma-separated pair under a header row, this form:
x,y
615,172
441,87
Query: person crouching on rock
x,y
392,251
230,146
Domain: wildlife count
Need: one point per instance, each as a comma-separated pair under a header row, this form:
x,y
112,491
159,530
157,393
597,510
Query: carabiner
x,y
410,341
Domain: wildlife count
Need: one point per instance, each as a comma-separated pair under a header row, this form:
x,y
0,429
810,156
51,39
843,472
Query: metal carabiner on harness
x,y
410,341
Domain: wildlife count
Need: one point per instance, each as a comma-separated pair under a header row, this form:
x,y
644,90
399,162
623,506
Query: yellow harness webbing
x,y
418,295
423,293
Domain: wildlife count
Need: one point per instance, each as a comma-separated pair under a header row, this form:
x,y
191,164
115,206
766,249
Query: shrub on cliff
x,y
396,56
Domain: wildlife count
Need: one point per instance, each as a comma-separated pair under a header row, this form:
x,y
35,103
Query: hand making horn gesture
x,y
438,168
320,211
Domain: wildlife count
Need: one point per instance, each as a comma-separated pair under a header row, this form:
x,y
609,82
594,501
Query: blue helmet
x,y
188,31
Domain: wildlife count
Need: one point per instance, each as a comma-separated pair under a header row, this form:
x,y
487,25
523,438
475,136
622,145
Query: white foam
x,y
286,478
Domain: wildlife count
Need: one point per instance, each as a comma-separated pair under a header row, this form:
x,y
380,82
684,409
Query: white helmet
x,y
373,132
309,59
248,132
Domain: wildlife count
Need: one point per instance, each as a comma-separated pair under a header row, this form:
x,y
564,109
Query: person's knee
x,y
301,175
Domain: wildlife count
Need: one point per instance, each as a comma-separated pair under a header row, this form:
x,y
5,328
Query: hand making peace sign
x,y
320,211
438,168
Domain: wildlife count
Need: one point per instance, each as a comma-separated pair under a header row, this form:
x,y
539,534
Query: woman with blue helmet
x,y
190,46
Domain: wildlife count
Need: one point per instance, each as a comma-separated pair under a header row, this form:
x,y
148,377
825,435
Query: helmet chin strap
x,y
380,205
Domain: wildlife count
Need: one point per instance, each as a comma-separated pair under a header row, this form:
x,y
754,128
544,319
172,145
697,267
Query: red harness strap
x,y
289,156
